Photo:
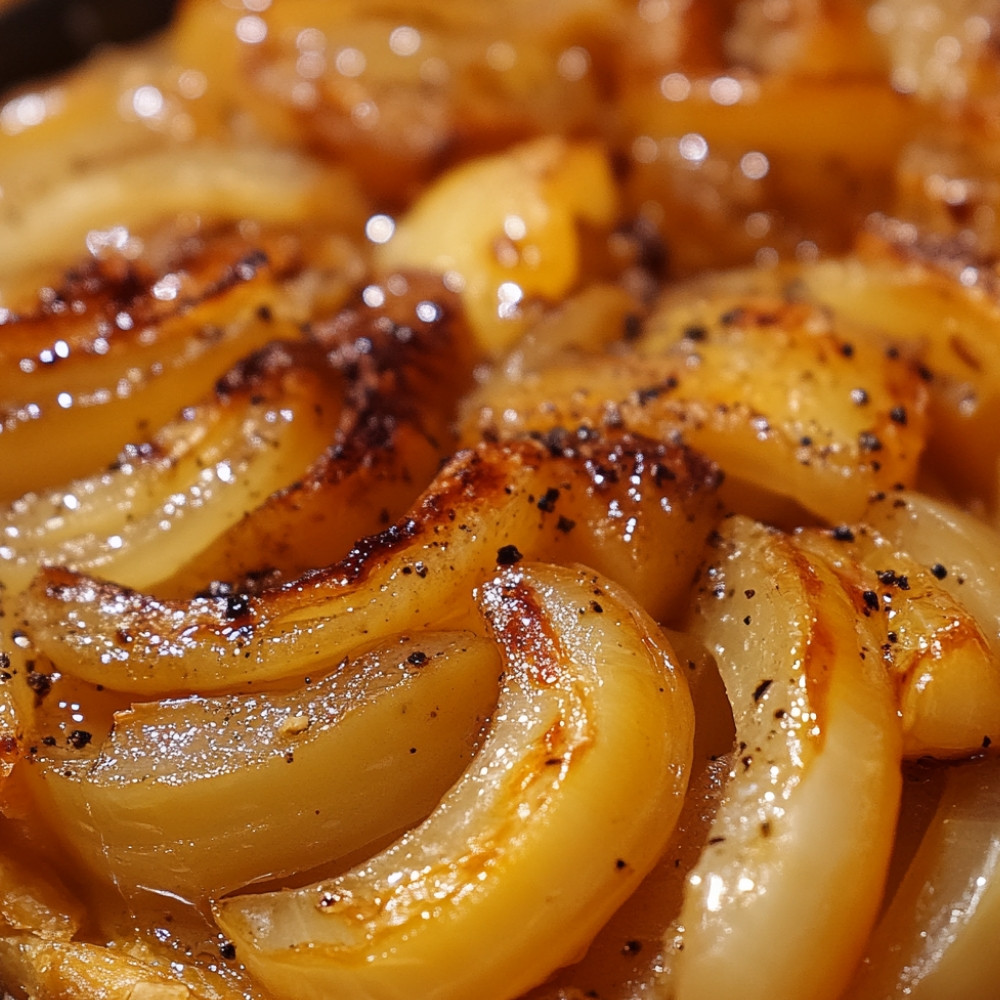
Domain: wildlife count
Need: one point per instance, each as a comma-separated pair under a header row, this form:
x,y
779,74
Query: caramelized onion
x,y
171,802
635,510
540,839
791,403
809,808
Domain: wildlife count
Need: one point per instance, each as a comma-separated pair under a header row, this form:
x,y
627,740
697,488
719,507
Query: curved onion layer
x,y
947,670
119,347
358,406
939,302
959,550
788,401
89,121
937,938
217,181
199,475
809,810
624,960
76,970
573,794
635,510
196,797
504,229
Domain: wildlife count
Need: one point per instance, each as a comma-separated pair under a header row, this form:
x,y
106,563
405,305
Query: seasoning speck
x,y
508,555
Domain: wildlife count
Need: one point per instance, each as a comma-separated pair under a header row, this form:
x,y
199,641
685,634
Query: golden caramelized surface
x,y
501,500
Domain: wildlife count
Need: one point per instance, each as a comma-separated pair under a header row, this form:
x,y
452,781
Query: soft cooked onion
x,y
937,938
537,843
809,808
171,801
795,404
491,506
938,652
586,344
219,181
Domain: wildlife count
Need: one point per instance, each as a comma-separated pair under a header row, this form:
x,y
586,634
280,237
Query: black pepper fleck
x,y
508,555
548,501
78,739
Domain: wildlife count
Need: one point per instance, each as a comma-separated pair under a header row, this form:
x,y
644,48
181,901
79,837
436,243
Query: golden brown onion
x,y
809,809
633,509
792,404
572,795
199,796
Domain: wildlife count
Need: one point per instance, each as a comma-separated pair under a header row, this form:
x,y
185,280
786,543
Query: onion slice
x,y
200,796
959,549
946,670
636,510
809,811
569,802
937,939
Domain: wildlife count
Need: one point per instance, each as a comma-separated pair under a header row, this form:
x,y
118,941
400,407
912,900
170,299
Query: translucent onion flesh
x,y
937,938
808,813
636,511
535,845
199,796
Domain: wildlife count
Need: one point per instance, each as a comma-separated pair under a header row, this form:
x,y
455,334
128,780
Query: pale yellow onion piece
x,y
568,803
789,884
937,940
792,405
937,301
947,673
77,970
644,525
197,797
623,960
34,900
160,507
53,128
953,544
504,228
211,179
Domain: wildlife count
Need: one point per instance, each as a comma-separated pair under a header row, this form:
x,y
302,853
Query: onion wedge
x,y
199,476
960,550
937,938
946,669
572,796
796,407
457,227
809,811
636,510
200,796
220,180
119,346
